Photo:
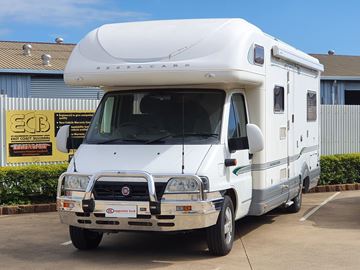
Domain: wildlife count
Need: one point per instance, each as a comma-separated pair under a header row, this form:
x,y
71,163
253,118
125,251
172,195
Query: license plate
x,y
121,211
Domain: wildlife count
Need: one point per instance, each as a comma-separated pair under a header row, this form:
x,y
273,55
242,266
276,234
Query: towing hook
x,y
155,208
88,206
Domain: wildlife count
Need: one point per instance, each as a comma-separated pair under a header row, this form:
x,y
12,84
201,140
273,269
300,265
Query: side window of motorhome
x,y
279,103
237,117
258,54
311,106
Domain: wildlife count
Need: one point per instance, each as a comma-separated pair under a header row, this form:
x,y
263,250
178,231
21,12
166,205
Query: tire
x,y
296,206
220,237
84,239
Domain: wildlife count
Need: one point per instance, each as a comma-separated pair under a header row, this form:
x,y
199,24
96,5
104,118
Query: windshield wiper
x,y
185,135
215,135
160,138
122,140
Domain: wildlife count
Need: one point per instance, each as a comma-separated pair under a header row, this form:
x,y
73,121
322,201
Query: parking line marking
x,y
66,243
318,207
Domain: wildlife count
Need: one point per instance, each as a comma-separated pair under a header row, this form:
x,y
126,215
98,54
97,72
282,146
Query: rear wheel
x,y
296,206
220,237
84,239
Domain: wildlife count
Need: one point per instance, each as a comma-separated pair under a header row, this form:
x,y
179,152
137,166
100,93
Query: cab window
x,y
238,121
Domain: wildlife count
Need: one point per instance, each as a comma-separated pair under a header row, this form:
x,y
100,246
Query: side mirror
x,y
255,137
62,139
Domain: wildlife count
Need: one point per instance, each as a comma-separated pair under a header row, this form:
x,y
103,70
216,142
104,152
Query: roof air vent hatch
x,y
46,59
59,40
27,49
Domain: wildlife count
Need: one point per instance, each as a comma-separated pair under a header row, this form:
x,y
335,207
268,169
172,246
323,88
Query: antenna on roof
x,y
59,40
331,52
27,49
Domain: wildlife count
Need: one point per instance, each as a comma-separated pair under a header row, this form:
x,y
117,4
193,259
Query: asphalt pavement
x,y
323,235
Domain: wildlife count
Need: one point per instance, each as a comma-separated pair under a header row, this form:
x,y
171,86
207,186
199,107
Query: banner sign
x,y
30,135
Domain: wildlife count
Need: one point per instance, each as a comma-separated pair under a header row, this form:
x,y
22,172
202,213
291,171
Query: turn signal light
x,y
184,208
68,205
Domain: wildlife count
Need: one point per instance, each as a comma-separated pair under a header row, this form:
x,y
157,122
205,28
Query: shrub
x,y
29,184
340,169
34,184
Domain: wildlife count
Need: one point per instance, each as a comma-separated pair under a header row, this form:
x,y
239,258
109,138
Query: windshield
x,y
158,117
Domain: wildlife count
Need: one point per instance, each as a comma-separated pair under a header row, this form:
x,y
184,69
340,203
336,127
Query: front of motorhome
x,y
203,122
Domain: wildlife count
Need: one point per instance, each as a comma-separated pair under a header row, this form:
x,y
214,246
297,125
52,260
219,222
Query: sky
x,y
314,26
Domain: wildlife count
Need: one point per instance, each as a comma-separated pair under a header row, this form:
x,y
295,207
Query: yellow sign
x,y
30,135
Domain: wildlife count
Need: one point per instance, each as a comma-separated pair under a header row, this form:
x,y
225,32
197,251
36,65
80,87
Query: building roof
x,y
339,65
12,58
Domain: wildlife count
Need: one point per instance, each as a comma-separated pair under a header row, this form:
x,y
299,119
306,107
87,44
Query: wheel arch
x,y
305,177
234,198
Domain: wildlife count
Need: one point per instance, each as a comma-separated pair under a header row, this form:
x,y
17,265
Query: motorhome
x,y
203,122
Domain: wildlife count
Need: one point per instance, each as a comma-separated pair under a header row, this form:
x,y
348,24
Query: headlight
x,y
182,185
76,182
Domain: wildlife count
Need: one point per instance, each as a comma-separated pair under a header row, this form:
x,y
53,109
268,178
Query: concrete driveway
x,y
328,238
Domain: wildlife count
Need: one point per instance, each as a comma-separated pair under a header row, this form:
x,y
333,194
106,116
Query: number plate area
x,y
121,211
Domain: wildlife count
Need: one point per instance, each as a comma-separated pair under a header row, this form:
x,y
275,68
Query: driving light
x,y
182,185
76,182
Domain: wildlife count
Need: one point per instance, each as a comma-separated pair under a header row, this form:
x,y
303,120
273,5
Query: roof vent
x,y
46,59
59,40
27,49
331,52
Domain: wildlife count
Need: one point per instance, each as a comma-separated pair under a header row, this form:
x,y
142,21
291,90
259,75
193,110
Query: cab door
x,y
238,149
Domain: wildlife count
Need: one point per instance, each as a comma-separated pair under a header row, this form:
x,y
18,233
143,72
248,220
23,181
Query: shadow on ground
x,y
138,250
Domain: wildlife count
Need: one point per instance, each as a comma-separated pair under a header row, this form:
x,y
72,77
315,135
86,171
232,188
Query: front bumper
x,y
202,215
174,212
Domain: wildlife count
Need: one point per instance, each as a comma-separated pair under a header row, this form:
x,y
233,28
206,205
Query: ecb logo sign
x,y
30,122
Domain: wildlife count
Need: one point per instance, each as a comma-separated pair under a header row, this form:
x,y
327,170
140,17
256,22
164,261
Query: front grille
x,y
111,191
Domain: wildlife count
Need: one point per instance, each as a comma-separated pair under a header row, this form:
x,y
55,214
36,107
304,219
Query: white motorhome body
x,y
267,146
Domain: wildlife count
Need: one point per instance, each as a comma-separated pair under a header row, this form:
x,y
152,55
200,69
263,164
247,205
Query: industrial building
x,y
35,69
340,81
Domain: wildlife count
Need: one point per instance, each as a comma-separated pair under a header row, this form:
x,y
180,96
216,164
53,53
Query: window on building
x,y
279,101
352,97
311,106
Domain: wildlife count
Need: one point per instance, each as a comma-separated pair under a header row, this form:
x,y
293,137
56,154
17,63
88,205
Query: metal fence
x,y
13,103
340,124
340,129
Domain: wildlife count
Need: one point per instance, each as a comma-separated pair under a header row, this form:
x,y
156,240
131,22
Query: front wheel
x,y
84,239
220,237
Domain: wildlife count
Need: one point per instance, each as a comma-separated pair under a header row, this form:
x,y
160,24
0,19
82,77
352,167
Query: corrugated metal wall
x,y
333,92
10,103
44,86
15,85
340,129
50,87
